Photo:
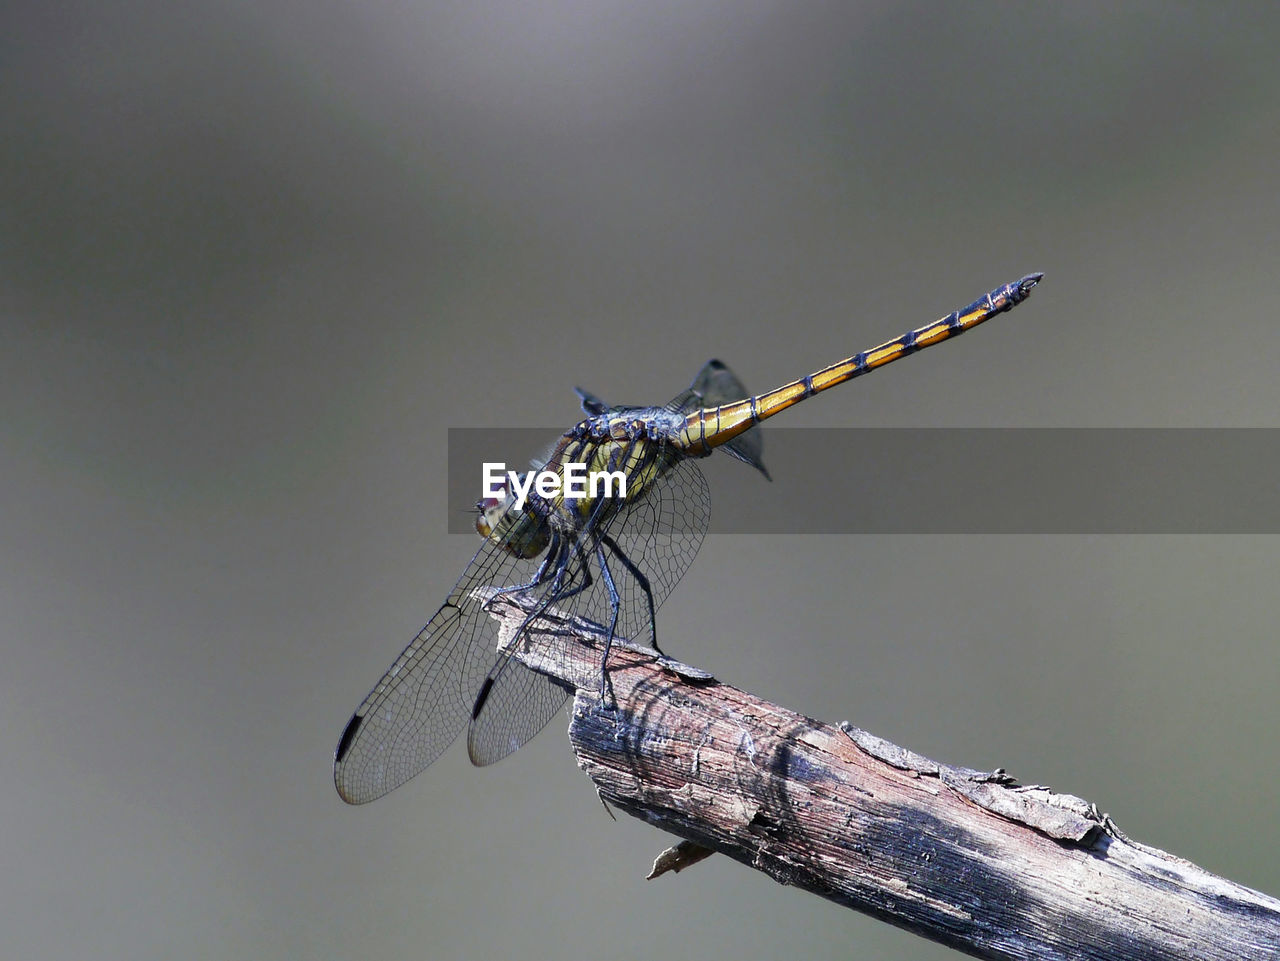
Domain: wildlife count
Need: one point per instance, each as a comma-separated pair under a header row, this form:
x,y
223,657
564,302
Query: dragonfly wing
x,y
425,697
648,545
591,404
515,702
520,702
714,385
748,447
652,541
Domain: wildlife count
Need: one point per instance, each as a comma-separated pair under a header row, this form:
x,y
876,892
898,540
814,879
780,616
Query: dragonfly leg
x,y
615,602
556,553
555,593
643,581
540,576
559,552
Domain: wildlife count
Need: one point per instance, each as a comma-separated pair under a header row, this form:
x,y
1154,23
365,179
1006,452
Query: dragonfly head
x,y
521,532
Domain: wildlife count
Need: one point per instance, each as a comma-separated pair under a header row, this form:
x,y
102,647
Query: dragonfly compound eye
x,y
521,532
490,510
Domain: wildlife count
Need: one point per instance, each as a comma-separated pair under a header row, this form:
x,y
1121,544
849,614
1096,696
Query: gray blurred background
x,y
257,258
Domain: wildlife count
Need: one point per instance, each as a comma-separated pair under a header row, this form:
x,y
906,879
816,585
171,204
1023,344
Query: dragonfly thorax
x,y
520,532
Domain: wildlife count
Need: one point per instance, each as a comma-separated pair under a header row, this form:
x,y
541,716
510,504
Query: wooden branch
x,y
968,859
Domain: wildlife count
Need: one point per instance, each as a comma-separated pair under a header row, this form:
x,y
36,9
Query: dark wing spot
x,y
349,735
482,697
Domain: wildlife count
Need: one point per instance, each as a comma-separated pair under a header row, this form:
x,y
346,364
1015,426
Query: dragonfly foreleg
x,y
557,553
540,576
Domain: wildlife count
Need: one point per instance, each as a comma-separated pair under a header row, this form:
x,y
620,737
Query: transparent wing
x,y
716,384
425,697
648,545
520,704
659,536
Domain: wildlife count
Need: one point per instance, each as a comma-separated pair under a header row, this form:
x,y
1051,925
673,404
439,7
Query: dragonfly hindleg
x,y
615,602
641,580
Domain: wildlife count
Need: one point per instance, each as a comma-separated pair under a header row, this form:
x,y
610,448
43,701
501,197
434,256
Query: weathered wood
x,y
968,859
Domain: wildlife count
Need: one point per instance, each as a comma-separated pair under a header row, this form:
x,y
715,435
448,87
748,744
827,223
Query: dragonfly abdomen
x,y
706,429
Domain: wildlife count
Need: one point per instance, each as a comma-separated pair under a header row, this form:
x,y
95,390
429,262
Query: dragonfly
x,y
611,558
